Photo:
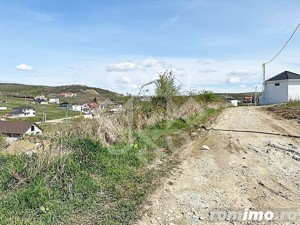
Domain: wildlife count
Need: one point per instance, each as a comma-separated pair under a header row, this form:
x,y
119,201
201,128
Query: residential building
x,y
77,108
40,101
14,130
23,111
54,100
93,105
65,105
281,88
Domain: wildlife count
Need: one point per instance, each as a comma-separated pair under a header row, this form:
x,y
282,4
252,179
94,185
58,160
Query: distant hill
x,y
238,96
84,93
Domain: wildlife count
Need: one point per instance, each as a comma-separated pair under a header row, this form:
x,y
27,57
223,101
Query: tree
x,y
95,100
165,88
165,85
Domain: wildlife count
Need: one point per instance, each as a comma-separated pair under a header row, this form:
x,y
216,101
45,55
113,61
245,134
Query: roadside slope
x,y
242,170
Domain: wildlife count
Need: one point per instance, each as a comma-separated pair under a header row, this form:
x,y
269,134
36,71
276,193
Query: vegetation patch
x,y
290,111
89,183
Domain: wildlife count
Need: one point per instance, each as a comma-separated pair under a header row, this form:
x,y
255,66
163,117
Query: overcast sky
x,y
119,45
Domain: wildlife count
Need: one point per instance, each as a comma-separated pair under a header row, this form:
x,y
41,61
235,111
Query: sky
x,y
119,45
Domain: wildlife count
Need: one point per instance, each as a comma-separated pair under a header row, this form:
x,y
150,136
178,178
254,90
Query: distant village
x,y
86,108
16,129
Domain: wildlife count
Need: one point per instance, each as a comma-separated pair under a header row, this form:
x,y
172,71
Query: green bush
x,y
208,96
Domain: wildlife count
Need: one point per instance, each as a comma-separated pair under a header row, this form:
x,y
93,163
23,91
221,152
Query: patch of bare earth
x,y
249,165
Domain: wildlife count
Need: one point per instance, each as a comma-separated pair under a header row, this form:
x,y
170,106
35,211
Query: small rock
x,y
296,157
170,183
205,147
194,134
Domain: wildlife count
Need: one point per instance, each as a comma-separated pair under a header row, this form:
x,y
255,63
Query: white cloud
x,y
239,76
74,67
208,71
206,61
124,80
24,67
150,63
166,65
243,72
233,79
121,67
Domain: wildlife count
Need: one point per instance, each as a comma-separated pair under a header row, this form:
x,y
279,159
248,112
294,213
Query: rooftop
x,y
15,127
286,75
23,107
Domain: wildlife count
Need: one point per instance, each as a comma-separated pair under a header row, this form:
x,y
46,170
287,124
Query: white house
x,y
281,88
23,111
77,108
54,100
13,130
41,97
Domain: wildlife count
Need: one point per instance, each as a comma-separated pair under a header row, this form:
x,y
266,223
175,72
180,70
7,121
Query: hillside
x,y
84,93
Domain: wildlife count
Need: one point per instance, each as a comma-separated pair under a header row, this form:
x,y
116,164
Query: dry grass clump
x,y
106,128
115,128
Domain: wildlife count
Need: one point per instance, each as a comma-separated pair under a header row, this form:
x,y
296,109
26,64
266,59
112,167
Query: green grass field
x,y
52,111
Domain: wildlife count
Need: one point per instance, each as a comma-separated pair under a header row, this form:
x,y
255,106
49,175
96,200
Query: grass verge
x,y
83,182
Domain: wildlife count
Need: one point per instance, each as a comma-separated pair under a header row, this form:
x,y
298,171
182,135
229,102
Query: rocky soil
x,y
252,163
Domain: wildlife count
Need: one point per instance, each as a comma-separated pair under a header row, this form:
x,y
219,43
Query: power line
x,y
284,45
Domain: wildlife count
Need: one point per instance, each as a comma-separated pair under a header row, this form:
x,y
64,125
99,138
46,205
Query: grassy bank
x,y
80,181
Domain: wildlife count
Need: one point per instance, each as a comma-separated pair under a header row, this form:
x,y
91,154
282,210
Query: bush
x,y
208,96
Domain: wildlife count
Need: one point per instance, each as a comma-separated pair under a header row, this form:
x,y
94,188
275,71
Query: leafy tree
x,y
165,85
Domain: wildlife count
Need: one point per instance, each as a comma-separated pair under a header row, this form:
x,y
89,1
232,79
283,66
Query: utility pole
x,y
264,73
263,82
255,96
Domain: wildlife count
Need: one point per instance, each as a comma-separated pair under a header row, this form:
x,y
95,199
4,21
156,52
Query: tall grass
x,y
96,171
294,103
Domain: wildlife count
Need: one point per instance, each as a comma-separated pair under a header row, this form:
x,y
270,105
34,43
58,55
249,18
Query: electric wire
x,y
284,45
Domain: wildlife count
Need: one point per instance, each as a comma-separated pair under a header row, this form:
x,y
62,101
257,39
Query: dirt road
x,y
242,170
